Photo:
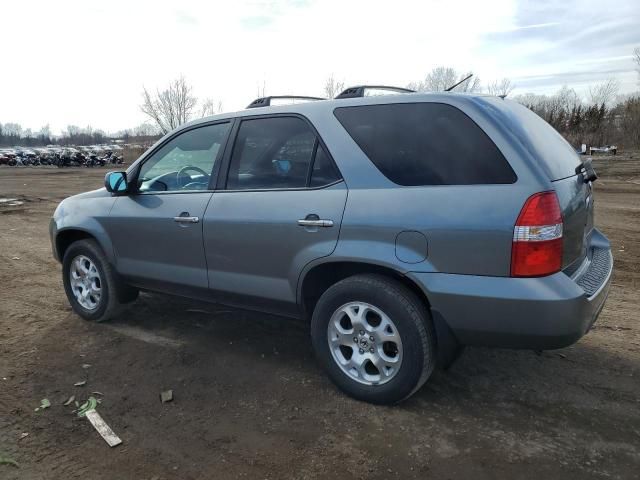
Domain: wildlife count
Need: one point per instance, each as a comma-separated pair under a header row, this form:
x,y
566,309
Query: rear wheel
x,y
374,338
92,286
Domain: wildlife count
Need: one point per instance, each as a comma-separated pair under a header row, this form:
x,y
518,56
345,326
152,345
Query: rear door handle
x,y
186,219
315,223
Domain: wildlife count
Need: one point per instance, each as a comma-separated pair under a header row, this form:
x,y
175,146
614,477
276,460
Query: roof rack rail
x,y
359,91
266,101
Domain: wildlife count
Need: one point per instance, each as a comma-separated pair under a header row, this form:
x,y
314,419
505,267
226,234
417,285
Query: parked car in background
x,y
11,156
402,227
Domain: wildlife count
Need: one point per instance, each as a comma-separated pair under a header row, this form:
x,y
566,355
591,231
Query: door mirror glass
x,y
116,182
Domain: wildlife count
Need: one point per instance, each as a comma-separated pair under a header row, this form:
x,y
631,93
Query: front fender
x,y
85,215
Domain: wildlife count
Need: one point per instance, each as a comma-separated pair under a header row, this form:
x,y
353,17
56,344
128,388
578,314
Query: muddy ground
x,y
251,402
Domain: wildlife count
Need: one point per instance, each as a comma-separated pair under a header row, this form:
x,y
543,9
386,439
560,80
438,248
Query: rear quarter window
x,y
548,147
425,144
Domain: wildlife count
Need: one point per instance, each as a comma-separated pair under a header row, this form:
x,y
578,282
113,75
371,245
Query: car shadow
x,y
583,374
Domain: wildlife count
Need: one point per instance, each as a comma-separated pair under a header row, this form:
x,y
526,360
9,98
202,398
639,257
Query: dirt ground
x,y
251,402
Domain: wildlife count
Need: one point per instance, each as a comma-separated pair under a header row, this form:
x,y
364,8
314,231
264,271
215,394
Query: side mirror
x,y
116,182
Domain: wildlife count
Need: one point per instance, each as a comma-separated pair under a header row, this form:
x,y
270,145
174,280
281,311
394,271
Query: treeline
x,y
12,134
605,118
601,118
594,123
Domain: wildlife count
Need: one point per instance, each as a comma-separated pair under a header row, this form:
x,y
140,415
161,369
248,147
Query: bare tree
x,y
45,131
441,78
73,131
500,87
604,92
170,107
565,99
333,87
145,130
13,129
636,59
209,107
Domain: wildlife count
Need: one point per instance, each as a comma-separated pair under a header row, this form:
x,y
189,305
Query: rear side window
x,y
425,144
278,152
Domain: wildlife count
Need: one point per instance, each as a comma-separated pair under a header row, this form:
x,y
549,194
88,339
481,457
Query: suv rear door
x,y
279,208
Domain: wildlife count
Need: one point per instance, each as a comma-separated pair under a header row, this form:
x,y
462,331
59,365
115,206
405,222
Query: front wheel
x,y
374,337
92,286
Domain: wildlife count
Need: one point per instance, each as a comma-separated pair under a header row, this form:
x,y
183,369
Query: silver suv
x,y
402,226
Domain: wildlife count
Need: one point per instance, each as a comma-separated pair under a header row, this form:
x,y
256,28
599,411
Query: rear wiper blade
x,y
588,172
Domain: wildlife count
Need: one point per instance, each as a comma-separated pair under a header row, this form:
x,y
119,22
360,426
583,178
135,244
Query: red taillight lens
x,y
537,237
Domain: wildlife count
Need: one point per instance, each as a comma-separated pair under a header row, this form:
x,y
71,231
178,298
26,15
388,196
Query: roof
x,y
313,108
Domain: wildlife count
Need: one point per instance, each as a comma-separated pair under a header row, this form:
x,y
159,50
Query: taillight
x,y
537,237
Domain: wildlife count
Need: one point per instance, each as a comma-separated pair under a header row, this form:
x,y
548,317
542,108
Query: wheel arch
x,y
316,279
64,238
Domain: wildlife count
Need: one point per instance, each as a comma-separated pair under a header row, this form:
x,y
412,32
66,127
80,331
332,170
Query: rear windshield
x,y
557,157
425,144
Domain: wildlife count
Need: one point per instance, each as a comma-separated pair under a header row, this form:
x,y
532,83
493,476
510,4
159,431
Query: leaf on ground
x,y
86,365
90,404
71,399
4,460
44,403
81,383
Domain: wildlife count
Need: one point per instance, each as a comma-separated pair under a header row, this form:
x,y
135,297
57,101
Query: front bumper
x,y
533,313
53,229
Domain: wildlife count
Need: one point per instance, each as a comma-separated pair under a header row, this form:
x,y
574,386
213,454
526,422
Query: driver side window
x,y
185,163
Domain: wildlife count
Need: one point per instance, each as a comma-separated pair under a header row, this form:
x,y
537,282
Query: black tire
x,y
412,320
114,293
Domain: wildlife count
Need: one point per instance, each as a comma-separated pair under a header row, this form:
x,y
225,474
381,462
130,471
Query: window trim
x,y
223,174
215,169
515,175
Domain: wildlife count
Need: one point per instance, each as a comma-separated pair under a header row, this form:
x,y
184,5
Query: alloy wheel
x,y
85,282
365,343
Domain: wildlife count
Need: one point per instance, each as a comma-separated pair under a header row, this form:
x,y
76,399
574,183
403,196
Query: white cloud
x,y
76,62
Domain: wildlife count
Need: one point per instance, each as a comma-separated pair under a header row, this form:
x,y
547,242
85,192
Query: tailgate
x,y
576,202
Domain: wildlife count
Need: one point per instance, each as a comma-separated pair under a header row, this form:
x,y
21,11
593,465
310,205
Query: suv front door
x,y
157,229
280,208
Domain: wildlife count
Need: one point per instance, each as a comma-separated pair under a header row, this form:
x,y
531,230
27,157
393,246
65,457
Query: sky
x,y
86,62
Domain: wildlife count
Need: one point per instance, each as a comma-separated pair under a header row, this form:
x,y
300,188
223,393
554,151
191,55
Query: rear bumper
x,y
534,313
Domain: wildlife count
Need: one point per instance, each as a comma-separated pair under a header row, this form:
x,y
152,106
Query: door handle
x,y
185,219
315,223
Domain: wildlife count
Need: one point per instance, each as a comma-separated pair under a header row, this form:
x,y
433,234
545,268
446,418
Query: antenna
x,y
460,82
